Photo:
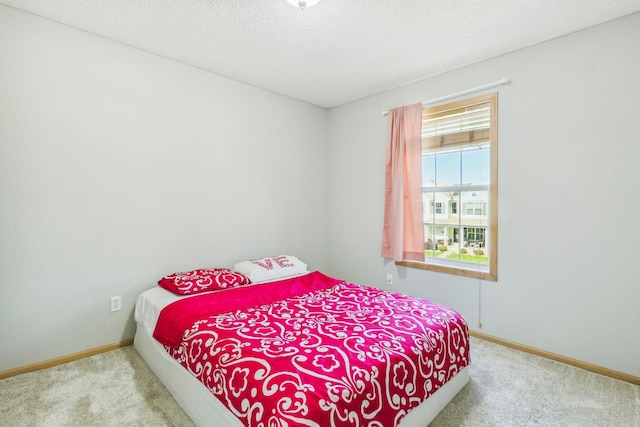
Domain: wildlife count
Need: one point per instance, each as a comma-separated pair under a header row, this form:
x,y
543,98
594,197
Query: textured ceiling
x,y
337,51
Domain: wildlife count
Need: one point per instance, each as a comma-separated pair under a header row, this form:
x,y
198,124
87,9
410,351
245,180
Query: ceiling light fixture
x,y
302,4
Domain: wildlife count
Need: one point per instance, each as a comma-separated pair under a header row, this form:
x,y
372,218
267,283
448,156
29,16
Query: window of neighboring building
x,y
474,234
475,208
459,169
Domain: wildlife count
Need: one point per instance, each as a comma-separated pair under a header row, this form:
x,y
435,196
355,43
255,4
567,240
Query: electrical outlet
x,y
116,303
389,279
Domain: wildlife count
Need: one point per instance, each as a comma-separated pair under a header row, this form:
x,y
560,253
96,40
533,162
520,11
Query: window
x,y
474,234
459,169
475,208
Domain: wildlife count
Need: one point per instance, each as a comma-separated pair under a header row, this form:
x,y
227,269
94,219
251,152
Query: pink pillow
x,y
203,280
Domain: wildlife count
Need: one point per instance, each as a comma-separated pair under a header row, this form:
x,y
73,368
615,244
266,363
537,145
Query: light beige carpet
x,y
508,388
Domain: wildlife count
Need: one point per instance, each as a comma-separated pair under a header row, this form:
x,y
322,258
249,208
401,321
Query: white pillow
x,y
269,268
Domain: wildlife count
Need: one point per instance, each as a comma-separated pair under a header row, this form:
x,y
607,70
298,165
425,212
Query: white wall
x,y
569,182
118,167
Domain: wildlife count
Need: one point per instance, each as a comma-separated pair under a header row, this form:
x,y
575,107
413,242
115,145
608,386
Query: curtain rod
x,y
498,83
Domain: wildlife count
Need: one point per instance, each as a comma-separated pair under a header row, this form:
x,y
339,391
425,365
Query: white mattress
x,y
204,408
150,303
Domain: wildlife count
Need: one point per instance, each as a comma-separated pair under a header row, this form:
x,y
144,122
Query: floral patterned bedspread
x,y
316,351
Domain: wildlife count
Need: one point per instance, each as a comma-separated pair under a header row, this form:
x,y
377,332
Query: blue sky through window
x,y
458,167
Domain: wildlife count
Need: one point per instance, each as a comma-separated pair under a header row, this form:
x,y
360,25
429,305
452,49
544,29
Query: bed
x,y
294,348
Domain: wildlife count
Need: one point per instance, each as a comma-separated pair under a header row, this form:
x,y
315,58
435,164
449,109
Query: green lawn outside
x,y
463,257
471,258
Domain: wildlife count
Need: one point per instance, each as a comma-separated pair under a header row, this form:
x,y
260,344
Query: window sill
x,y
475,274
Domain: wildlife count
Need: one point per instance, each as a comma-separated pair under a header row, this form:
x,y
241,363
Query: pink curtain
x,y
403,233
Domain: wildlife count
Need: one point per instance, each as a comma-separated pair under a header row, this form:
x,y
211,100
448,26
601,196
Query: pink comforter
x,y
316,351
